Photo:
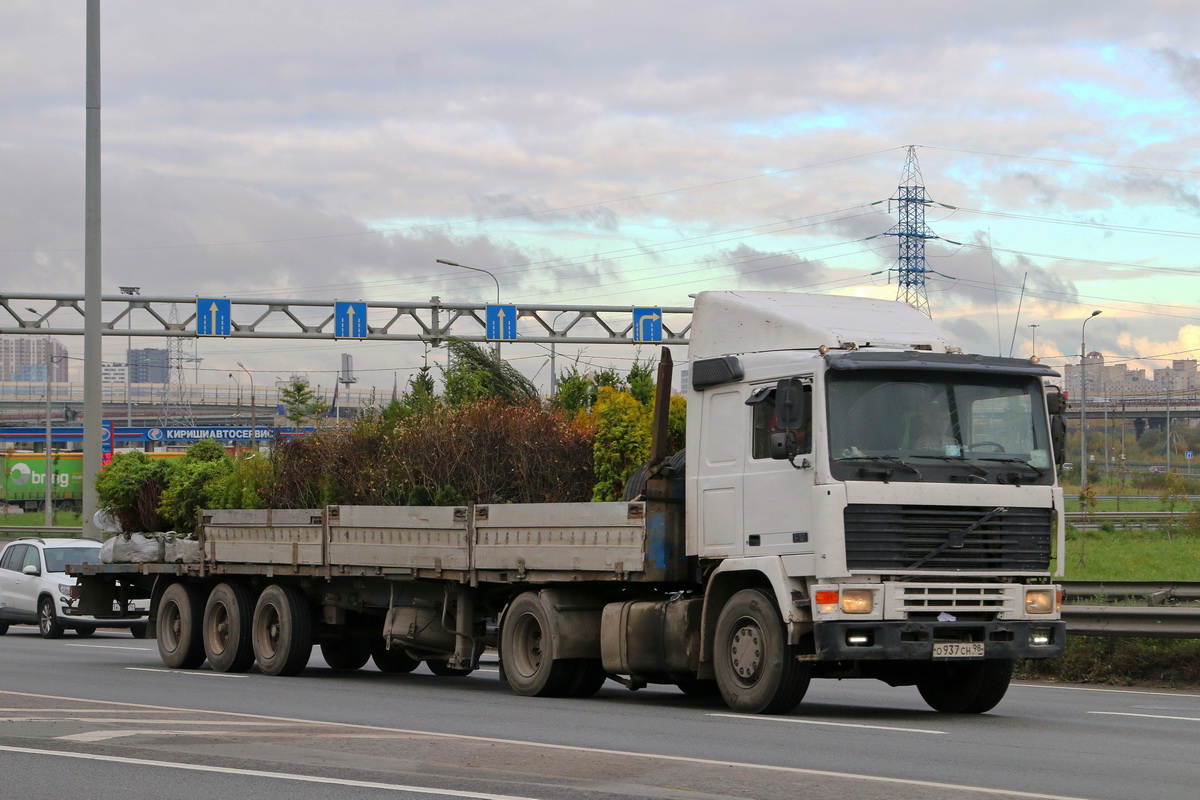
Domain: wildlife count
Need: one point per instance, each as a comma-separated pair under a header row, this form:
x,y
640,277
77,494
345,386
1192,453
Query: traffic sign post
x,y
647,325
501,323
349,320
214,317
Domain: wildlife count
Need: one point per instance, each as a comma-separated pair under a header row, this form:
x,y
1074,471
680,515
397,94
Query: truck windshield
x,y
947,426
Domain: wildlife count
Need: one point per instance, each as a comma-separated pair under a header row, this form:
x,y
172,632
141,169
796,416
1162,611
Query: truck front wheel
x,y
527,651
757,671
227,618
282,630
180,615
969,687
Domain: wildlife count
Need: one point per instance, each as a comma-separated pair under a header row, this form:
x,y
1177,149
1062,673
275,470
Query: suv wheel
x,y
48,622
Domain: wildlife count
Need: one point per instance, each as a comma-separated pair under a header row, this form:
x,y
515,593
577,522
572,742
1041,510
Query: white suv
x,y
35,588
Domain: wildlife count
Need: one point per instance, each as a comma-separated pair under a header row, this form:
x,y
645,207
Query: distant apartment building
x,y
1119,380
149,365
24,358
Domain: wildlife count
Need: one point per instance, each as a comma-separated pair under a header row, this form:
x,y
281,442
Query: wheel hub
x,y
745,652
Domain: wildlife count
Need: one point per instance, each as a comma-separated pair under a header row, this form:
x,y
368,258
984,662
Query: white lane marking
x,y
576,749
187,672
798,721
114,647
1193,695
1144,716
254,773
101,736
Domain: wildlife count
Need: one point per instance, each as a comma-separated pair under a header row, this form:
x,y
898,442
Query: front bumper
x,y
878,640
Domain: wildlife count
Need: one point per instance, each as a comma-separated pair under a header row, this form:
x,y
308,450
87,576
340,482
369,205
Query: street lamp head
x,y
1097,311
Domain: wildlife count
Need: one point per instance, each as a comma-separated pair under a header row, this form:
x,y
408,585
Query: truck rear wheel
x,y
346,654
282,630
969,687
757,671
228,615
394,660
180,615
527,651
442,668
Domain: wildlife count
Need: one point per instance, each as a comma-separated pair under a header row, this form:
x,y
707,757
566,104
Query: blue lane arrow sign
x,y
213,317
501,323
350,320
647,325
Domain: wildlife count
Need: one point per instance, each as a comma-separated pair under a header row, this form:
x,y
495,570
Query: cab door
x,y
16,587
777,492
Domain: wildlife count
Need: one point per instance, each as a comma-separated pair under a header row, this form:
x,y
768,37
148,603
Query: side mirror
x,y
32,570
791,403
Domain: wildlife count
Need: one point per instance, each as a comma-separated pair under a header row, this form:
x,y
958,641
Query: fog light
x,y
858,601
1040,637
1040,601
859,639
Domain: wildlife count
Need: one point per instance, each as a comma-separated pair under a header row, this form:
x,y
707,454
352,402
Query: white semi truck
x,y
858,500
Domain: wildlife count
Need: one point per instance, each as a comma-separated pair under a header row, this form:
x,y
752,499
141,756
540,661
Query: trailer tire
x,y
85,630
228,615
139,630
180,618
3,628
588,678
527,651
970,687
441,667
395,660
282,630
757,671
346,654
699,687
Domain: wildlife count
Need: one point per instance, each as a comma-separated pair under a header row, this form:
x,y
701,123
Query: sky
x,y
614,153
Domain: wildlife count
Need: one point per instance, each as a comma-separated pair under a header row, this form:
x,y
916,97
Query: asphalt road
x,y
102,717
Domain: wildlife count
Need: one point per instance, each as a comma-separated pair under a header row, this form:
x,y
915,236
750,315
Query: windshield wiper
x,y
887,459
1041,473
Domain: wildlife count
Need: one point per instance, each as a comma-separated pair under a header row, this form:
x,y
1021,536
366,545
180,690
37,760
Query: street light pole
x,y
49,500
485,272
1083,479
253,410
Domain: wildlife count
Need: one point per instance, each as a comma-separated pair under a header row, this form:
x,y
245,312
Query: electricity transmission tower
x,y
911,233
176,403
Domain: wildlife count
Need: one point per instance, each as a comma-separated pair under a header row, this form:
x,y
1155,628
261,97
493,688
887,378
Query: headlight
x,y
1040,601
65,589
858,601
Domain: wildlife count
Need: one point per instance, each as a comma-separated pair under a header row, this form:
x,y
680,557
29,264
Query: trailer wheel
x,y
588,678
699,687
180,615
346,654
756,670
228,615
3,628
282,630
139,630
970,687
85,630
442,668
394,660
527,651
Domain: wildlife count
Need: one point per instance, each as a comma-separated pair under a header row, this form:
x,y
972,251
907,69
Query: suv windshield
x,y
57,558
947,426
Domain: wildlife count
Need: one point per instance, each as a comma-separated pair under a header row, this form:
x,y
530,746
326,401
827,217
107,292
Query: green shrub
x,y
622,441
130,488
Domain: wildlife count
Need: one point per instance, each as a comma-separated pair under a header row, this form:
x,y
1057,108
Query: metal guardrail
x,y
1155,592
17,531
1161,622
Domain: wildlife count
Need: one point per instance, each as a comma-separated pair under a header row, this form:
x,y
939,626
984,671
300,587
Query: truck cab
x,y
894,498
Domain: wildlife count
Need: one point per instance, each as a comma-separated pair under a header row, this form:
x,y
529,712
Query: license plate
x,y
958,649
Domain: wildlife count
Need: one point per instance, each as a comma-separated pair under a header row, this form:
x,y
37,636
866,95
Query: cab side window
x,y
765,423
14,557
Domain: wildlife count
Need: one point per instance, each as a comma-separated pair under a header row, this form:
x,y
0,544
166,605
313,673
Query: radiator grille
x,y
955,538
